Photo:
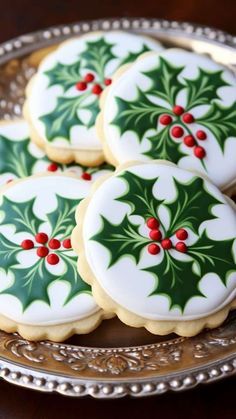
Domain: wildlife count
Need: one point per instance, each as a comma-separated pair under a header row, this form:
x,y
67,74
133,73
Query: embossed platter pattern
x,y
114,360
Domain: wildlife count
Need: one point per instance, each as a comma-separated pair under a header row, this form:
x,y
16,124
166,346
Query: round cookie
x,y
158,245
42,296
21,158
178,106
63,97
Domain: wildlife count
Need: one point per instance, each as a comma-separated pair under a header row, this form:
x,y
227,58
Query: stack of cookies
x,y
116,191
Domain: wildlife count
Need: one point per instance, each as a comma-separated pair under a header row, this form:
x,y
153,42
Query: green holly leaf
x,y
64,75
178,280
17,158
61,219
71,275
203,89
59,122
220,121
121,240
138,115
162,146
8,253
96,56
132,56
21,215
31,284
171,276
214,256
165,81
189,207
139,195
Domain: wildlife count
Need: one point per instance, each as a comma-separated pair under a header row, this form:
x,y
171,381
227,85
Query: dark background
x,y
217,400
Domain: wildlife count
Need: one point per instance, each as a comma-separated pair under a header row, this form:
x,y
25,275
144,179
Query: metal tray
x,y
114,360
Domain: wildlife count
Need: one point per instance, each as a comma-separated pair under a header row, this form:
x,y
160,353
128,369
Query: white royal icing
x,y
45,189
219,166
43,99
125,281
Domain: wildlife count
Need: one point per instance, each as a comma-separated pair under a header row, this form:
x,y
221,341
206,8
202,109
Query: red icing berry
x,y
177,132
201,135
199,152
42,251
153,249
153,223
188,118
66,244
52,167
97,89
89,78
178,110
181,247
86,176
165,119
9,180
155,235
189,140
53,259
166,244
81,85
181,234
27,244
41,238
54,244
107,82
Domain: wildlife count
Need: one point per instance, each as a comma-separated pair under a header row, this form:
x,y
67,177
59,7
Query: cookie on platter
x,y
63,97
158,245
178,106
42,296
20,157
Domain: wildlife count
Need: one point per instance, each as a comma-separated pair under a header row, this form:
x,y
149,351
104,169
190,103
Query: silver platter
x,y
114,360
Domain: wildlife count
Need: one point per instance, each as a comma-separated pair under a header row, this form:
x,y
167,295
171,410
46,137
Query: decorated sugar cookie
x,y
176,106
63,97
21,158
158,246
41,293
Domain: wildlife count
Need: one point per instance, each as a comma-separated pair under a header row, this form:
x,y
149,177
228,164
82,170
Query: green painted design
x,y
138,115
31,283
16,157
121,239
192,205
221,122
141,114
8,253
96,56
132,56
204,88
165,81
64,75
20,215
163,147
65,115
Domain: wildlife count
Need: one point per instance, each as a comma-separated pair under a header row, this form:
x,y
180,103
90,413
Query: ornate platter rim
x,y
177,364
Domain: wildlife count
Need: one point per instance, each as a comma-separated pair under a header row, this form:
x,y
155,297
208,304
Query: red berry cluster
x,y
44,251
53,167
96,88
166,243
177,131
